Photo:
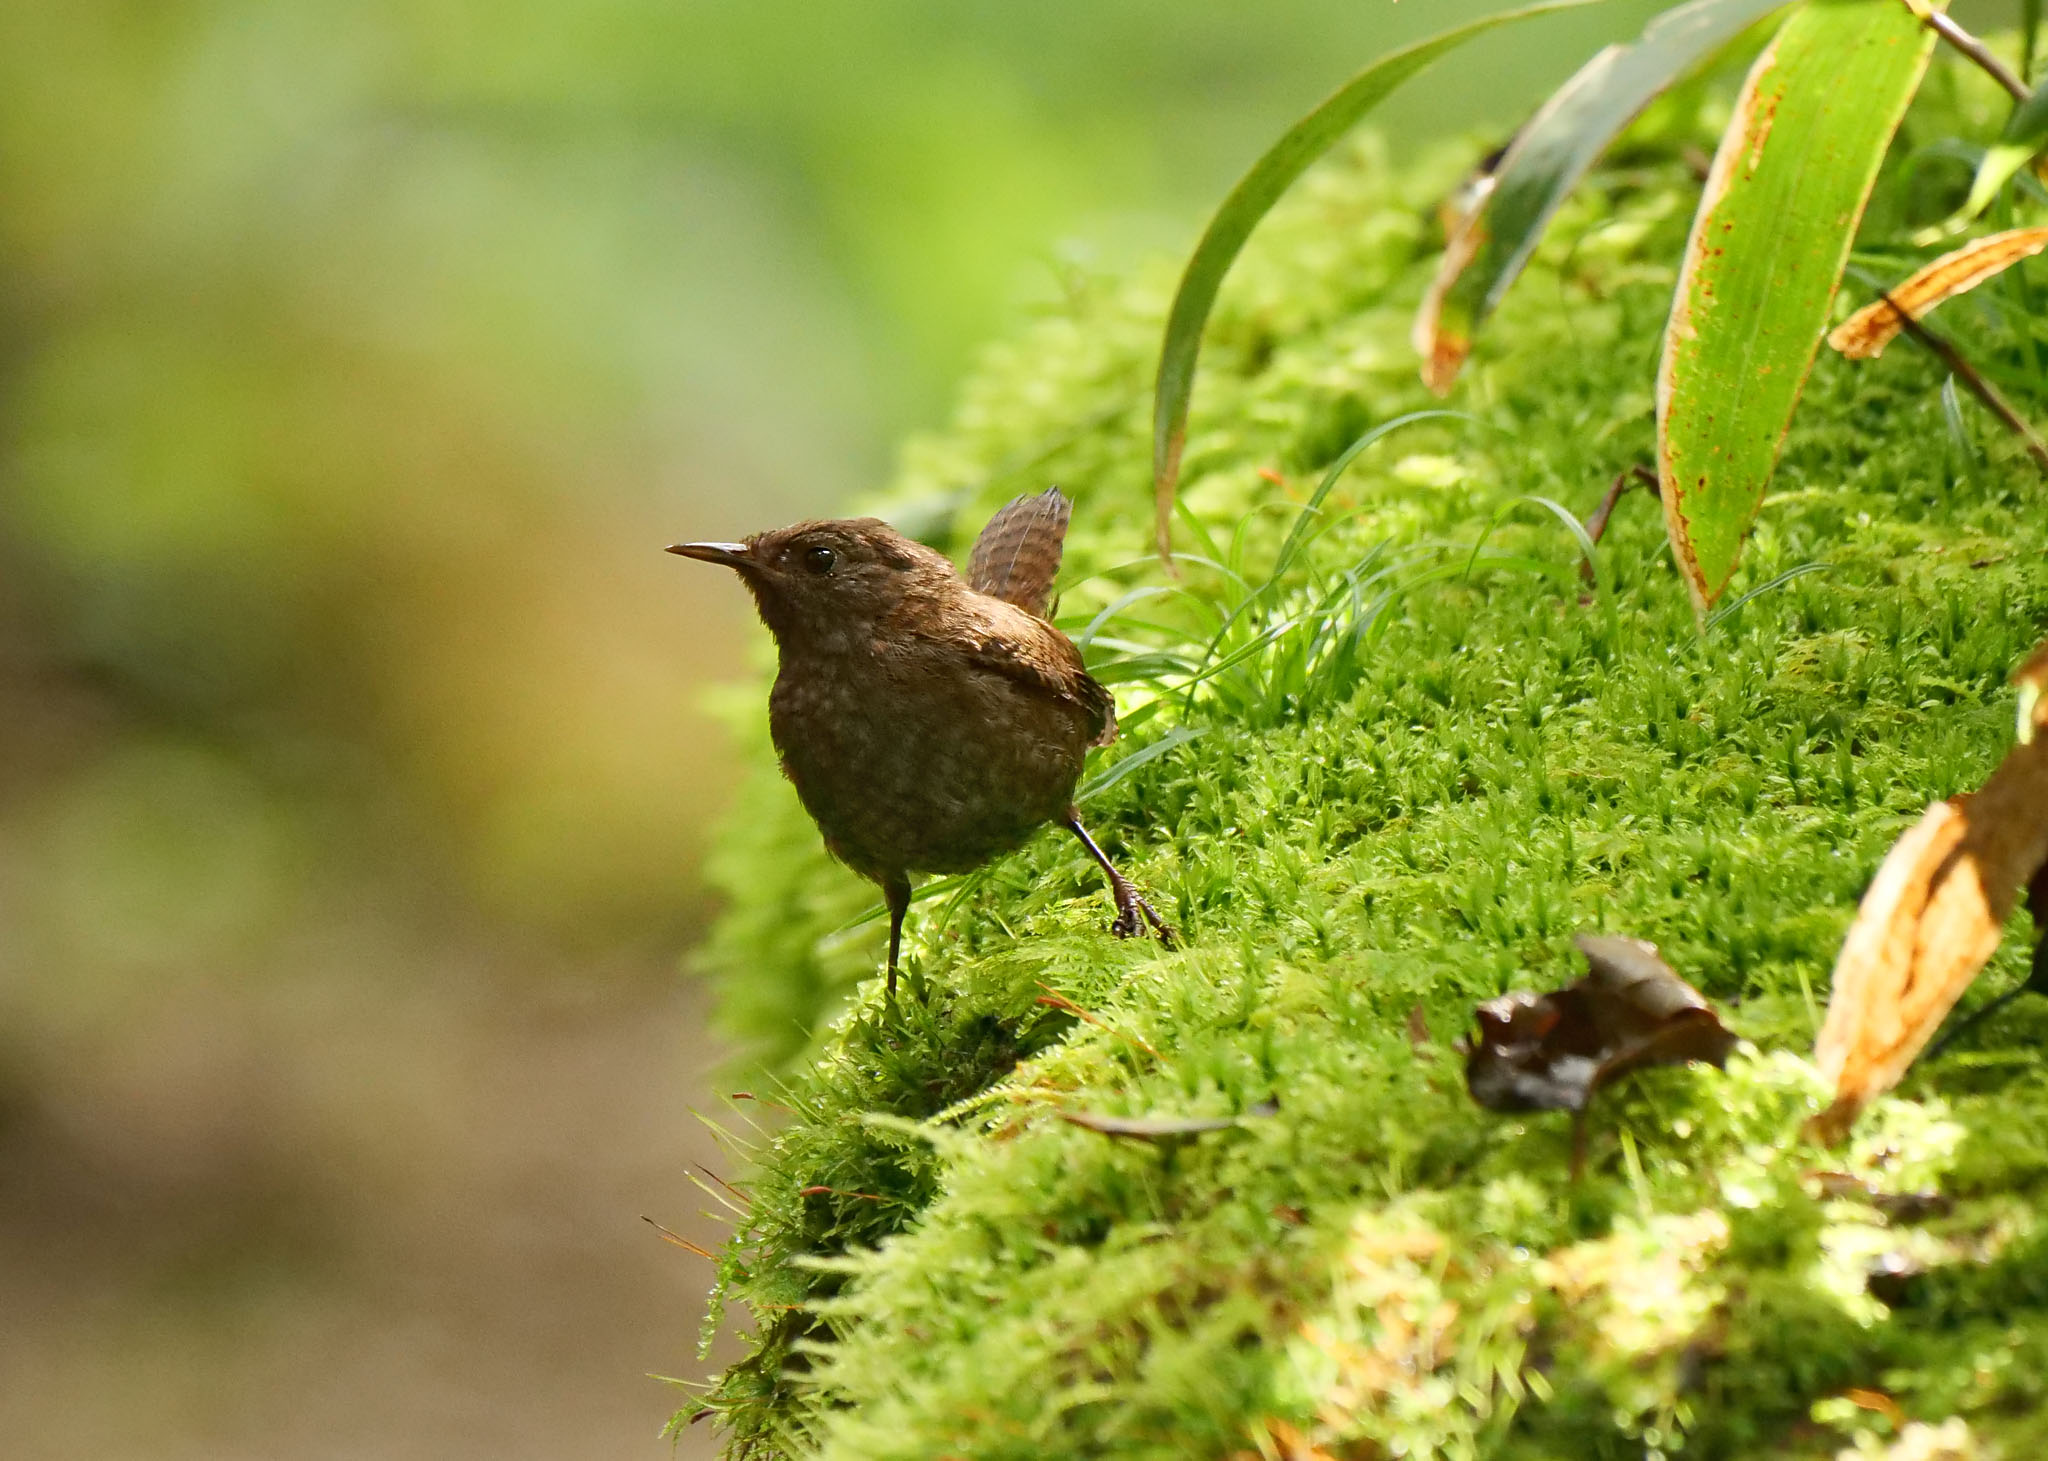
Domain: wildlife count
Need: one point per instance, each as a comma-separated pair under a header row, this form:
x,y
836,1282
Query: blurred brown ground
x,y
318,1225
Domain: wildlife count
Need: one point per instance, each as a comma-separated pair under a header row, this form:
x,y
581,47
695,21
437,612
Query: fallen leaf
x,y
1898,1207
1878,1401
1864,334
1544,1052
1932,917
1156,1128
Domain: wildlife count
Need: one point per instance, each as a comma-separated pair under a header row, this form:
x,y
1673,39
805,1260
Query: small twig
x,y
733,1187
1971,47
1596,525
669,1236
1965,372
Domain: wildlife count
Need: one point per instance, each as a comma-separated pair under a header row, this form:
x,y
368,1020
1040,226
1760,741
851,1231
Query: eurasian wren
x,y
929,723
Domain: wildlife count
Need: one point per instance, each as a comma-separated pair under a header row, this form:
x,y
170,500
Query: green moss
x,y
1411,804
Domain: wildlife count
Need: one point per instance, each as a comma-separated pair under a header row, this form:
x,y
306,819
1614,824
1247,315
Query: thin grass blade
x,y
1110,776
1240,213
1721,615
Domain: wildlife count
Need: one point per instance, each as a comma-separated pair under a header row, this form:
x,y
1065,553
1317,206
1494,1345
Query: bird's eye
x,y
819,560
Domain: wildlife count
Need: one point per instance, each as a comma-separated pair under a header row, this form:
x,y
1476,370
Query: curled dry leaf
x,y
1932,918
1162,1128
1541,1052
1864,334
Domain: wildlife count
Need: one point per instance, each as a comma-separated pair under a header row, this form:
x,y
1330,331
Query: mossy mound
x,y
1404,802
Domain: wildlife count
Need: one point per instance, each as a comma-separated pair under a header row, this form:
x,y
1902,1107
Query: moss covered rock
x,y
1437,756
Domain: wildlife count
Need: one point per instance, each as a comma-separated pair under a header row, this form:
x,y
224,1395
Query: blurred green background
x,y
355,363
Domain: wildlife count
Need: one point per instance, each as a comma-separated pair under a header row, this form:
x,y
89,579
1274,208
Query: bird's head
x,y
826,585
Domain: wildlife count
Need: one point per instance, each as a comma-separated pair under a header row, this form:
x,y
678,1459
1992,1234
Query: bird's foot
x,y
1133,913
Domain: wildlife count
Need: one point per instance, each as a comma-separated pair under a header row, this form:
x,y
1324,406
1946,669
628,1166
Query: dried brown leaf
x,y
1864,334
1541,1052
1932,917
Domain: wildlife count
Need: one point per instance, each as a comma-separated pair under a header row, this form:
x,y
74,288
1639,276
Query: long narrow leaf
x,y
1104,780
1864,334
1250,201
1545,162
1787,189
2026,134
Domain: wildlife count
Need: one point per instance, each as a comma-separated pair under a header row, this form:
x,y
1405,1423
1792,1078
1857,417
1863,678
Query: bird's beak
x,y
732,555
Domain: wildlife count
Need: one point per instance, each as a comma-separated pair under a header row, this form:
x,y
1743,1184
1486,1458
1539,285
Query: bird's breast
x,y
925,762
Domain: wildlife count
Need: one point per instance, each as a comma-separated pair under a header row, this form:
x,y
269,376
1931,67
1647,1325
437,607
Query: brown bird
x,y
928,723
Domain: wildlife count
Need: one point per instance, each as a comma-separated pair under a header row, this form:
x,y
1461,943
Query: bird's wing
x,y
1062,681
1030,652
1017,555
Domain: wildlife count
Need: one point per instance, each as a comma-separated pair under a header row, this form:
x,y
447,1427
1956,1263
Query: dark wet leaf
x,y
1157,1128
1552,1052
1898,1207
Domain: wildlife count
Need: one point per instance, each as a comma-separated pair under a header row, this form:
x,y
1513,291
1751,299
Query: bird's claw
x,y
1133,913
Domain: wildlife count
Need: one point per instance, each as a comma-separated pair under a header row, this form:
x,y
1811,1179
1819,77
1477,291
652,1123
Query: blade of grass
x,y
1292,544
1115,607
1110,776
1720,615
1588,551
1298,535
1952,413
1249,202
1979,386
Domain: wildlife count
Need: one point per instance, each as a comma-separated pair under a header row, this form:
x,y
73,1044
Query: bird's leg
x,y
897,891
1129,906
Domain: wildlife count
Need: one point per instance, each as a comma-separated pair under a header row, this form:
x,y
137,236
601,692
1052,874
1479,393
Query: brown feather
x,y
1017,555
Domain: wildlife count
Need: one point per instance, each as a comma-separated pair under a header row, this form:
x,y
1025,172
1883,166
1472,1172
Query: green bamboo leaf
x,y
2025,134
1544,163
1768,245
1250,201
